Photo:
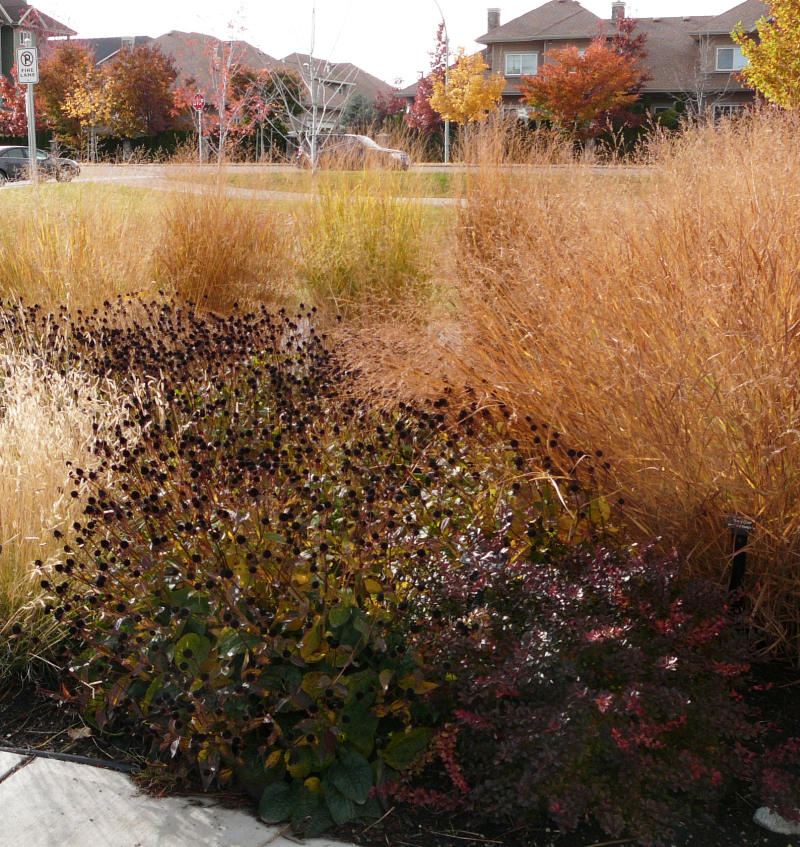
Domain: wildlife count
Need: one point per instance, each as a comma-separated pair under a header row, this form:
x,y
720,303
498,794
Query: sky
x,y
390,39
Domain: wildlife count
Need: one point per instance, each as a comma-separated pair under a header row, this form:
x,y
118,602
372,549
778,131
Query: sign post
x,y
199,104
28,75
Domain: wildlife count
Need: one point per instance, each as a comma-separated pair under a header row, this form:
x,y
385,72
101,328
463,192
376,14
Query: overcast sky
x,y
389,38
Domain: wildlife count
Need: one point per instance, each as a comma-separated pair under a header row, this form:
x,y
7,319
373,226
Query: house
x,y
690,59
330,86
17,20
334,83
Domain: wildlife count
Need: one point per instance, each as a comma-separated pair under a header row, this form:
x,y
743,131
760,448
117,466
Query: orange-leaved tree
x,y
67,76
574,90
138,88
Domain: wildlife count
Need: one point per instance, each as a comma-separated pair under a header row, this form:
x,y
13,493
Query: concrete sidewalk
x,y
51,803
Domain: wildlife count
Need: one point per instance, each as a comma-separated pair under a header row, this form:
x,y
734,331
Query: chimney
x,y
494,19
617,11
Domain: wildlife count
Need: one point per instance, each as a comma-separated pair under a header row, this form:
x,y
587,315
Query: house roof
x,y
748,13
18,13
365,84
191,52
558,18
105,48
672,55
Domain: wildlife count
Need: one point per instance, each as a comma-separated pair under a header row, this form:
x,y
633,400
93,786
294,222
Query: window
x,y
730,59
521,64
518,112
728,110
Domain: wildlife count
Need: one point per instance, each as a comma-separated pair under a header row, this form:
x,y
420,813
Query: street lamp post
x,y
446,82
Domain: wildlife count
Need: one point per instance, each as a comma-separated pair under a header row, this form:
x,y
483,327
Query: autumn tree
x,y
632,45
774,57
421,115
389,106
256,103
221,119
13,114
574,90
138,83
468,94
68,92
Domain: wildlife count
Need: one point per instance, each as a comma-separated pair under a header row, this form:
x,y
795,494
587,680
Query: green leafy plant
x,y
235,593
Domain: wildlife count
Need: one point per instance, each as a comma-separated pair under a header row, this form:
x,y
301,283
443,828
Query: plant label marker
x,y
740,528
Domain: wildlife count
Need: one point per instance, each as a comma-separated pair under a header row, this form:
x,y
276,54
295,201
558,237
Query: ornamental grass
x,y
652,312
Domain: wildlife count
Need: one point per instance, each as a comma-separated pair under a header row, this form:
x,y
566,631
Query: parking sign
x,y
28,65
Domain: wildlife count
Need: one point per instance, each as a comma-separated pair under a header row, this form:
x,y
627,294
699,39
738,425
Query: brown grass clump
x,y
215,250
653,315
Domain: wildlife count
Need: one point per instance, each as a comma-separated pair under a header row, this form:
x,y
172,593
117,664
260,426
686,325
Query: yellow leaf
x,y
274,757
311,640
373,586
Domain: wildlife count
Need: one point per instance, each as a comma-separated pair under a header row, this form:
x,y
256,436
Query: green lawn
x,y
398,183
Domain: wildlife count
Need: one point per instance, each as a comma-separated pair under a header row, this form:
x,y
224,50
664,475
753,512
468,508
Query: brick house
x,y
17,18
692,60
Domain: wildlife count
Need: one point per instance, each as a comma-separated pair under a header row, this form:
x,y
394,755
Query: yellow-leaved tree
x,y
468,94
87,104
774,57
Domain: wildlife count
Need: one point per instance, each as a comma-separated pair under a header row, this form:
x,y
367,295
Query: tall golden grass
x,y
66,246
48,421
365,250
654,315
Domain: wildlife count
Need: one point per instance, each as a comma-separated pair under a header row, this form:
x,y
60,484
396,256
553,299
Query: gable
x,y
561,18
19,14
748,13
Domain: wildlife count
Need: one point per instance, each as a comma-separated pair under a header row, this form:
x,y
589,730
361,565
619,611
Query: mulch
x,y
33,717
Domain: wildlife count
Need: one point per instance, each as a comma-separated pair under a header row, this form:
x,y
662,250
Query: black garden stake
x,y
740,528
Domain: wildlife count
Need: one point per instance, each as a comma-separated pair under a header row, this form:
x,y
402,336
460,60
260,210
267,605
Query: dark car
x,y
354,152
14,165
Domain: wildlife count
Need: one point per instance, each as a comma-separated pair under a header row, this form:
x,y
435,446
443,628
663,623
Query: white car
x,y
351,151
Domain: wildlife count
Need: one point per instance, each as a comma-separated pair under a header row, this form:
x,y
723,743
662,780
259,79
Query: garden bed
x,y
34,718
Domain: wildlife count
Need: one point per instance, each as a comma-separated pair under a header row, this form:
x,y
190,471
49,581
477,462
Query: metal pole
x,y
446,81
200,133
31,113
446,86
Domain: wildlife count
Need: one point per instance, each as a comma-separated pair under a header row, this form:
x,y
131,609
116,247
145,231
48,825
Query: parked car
x,y
352,152
14,164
